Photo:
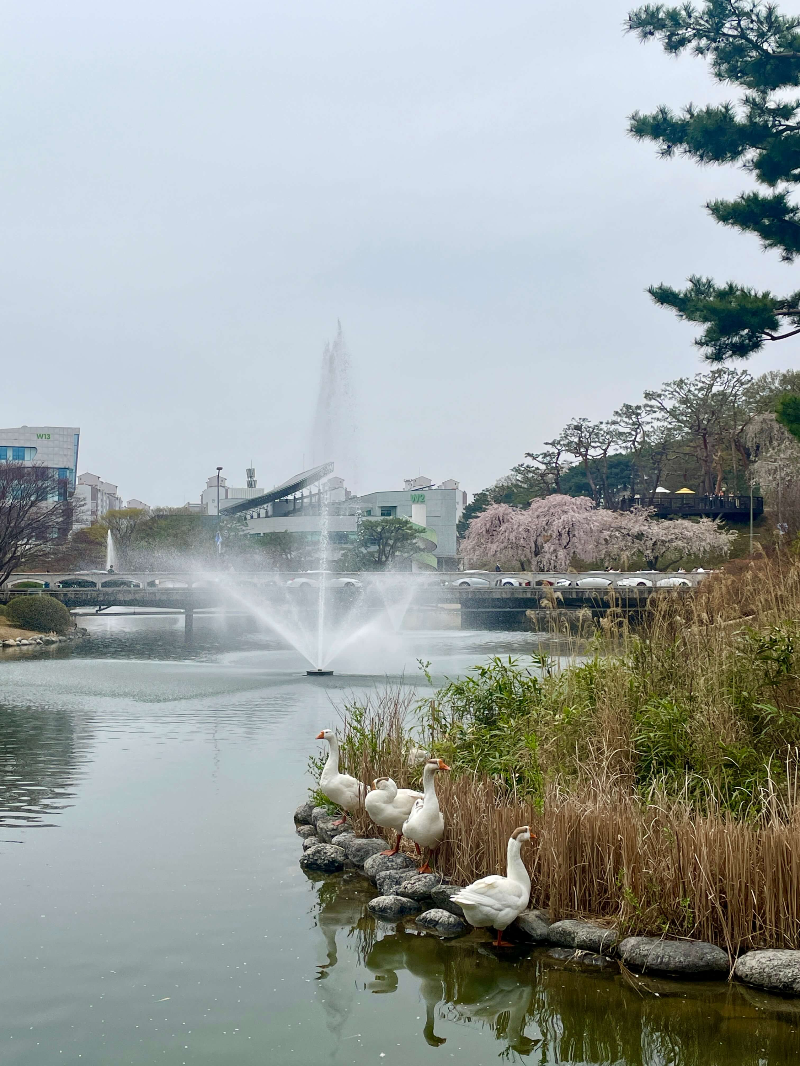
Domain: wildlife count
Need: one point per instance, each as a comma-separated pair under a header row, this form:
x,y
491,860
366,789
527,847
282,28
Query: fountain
x,y
111,553
323,613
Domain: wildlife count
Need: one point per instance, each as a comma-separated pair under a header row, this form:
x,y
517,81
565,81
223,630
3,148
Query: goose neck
x,y
333,755
429,786
516,870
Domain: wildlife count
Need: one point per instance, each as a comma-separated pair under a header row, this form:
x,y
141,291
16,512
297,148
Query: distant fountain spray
x,y
111,553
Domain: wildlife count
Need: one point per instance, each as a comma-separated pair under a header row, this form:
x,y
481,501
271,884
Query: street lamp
x,y
219,534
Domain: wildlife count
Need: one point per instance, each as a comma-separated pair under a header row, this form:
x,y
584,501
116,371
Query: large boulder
x,y
306,831
378,864
773,969
323,859
418,887
390,880
319,812
583,935
393,908
534,925
311,842
328,827
442,896
358,850
303,814
442,922
679,958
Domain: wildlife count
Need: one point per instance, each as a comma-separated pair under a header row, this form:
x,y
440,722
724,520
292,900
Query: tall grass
x,y
660,775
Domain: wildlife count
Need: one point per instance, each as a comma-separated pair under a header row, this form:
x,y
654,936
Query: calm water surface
x,y
153,909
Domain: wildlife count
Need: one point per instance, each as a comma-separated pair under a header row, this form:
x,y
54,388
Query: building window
x,y
368,513
63,473
16,454
388,512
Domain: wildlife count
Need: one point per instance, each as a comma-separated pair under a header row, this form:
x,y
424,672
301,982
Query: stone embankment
x,y
404,893
26,638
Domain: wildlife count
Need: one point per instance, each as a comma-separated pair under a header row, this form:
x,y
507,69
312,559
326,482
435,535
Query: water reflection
x,y
542,1010
41,754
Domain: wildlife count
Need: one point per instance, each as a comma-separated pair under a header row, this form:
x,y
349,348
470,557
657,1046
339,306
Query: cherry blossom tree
x,y
544,537
551,532
635,535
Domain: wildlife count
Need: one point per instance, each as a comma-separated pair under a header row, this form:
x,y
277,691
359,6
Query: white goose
x,y
425,824
496,901
389,806
342,789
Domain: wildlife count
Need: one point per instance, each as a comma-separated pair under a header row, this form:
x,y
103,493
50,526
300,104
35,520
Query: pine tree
x,y
748,44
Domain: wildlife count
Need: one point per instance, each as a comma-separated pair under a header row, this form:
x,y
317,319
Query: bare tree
x,y
709,411
32,517
123,525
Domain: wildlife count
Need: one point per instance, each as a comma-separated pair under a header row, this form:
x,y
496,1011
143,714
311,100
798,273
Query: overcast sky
x,y
192,193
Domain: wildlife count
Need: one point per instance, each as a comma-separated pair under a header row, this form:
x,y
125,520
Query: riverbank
x,y
660,775
15,637
405,896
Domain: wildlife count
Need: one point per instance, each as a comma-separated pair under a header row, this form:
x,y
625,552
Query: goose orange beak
x,y
443,765
321,735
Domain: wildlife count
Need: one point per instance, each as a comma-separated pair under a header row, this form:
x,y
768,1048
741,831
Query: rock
x,y
358,850
306,831
319,812
583,935
438,920
303,814
323,858
311,842
676,957
378,864
9,643
534,925
390,880
339,838
23,643
585,958
774,969
442,897
418,887
327,828
393,908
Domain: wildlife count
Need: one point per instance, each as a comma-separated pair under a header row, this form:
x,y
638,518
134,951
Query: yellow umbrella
x,y
690,491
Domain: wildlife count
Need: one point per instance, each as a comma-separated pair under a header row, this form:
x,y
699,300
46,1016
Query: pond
x,y
153,909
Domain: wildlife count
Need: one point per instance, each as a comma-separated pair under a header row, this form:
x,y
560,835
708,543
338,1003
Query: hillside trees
x,y
750,45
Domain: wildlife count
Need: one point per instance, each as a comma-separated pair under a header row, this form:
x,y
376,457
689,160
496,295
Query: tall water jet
x,y
111,553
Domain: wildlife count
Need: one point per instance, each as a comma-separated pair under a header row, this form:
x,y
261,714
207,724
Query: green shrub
x,y
43,613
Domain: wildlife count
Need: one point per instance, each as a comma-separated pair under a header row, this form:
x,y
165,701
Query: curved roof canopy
x,y
288,488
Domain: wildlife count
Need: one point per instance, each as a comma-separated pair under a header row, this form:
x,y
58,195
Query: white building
x,y
53,447
98,497
229,495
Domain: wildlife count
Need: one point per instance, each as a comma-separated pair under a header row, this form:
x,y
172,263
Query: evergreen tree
x,y
748,44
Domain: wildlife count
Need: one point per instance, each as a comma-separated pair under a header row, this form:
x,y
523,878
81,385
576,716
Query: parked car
x,y
471,583
511,582
634,582
673,583
311,580
592,583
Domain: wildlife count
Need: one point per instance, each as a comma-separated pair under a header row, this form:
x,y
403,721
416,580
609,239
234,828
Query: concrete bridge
x,y
485,601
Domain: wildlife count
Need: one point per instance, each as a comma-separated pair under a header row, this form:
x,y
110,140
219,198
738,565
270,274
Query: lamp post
x,y
219,534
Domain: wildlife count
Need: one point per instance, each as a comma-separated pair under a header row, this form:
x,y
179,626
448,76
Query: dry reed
x,y
653,860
